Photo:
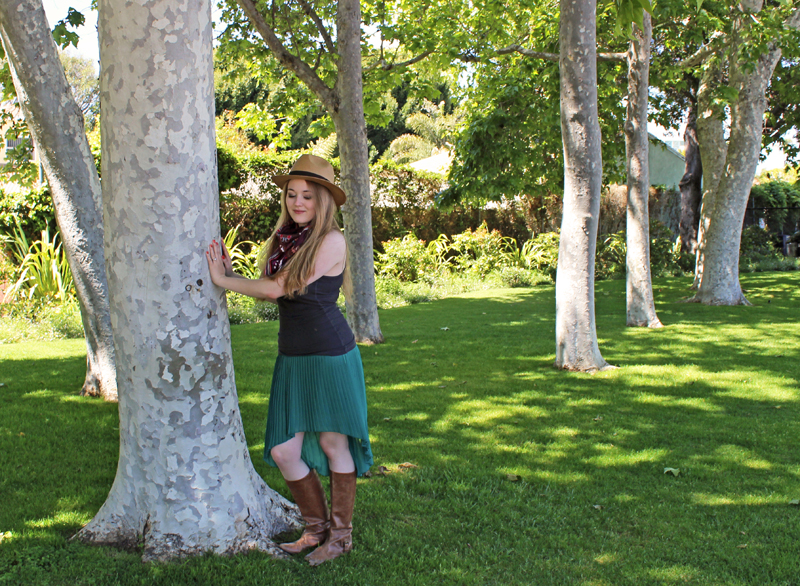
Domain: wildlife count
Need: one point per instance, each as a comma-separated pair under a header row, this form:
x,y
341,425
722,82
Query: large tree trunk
x,y
641,310
576,337
713,151
351,133
56,124
691,183
185,483
725,202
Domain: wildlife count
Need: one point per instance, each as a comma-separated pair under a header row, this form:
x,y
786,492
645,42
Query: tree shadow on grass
x,y
479,404
500,467
58,451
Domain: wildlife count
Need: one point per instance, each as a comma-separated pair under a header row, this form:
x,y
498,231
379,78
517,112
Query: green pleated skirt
x,y
312,394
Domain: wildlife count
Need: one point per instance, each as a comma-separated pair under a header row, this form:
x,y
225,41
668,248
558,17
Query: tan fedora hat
x,y
314,169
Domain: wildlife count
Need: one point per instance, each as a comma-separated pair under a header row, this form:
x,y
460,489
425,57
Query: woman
x,y
317,421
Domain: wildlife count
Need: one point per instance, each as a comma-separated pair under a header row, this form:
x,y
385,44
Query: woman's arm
x,y
330,261
222,275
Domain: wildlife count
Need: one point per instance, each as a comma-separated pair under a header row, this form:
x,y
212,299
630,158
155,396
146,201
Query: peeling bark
x,y
185,483
641,310
576,336
56,124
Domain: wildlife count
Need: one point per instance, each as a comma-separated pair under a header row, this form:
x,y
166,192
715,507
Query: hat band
x,y
309,174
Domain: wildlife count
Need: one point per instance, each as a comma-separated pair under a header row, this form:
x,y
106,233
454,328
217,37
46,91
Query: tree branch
x,y
309,10
293,63
382,64
527,52
475,58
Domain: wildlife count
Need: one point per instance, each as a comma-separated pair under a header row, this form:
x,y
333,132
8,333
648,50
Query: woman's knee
x,y
285,454
333,444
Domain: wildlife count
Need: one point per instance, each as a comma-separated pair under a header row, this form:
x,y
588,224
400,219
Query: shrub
x,y
39,320
411,259
30,210
521,277
481,251
777,195
756,245
44,272
541,253
246,310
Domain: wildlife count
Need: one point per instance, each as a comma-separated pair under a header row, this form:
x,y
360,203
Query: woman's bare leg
x,y
287,457
335,445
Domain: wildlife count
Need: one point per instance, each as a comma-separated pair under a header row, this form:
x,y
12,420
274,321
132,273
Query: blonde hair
x,y
300,267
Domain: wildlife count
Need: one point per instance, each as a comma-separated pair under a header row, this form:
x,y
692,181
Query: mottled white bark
x,y
344,103
576,337
351,133
641,309
56,124
185,483
725,199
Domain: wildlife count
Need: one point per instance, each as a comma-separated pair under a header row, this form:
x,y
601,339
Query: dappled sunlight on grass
x,y
498,467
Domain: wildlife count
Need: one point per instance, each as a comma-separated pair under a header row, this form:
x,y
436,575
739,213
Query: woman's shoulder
x,y
334,238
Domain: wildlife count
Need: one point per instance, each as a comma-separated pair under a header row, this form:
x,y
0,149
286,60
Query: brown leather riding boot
x,y
310,497
340,538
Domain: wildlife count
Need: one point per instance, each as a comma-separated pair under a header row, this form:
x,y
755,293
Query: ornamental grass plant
x,y
492,467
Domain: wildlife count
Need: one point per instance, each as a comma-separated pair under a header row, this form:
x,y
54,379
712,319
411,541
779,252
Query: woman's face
x,y
301,201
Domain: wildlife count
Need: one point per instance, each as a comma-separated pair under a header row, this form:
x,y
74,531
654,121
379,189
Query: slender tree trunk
x,y
641,309
56,124
351,133
691,183
185,483
725,202
576,337
344,104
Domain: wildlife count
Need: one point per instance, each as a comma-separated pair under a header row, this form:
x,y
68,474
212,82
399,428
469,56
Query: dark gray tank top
x,y
312,323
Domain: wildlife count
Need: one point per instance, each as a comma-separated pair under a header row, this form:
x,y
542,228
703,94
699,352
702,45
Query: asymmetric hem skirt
x,y
315,393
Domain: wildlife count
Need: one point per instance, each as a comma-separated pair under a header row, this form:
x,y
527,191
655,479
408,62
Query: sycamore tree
x,y
512,147
640,306
185,483
736,49
741,63
57,126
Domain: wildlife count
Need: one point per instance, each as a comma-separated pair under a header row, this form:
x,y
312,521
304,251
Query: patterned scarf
x,y
290,237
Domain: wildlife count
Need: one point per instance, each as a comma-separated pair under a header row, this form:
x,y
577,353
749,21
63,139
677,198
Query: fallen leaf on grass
x,y
513,477
414,341
408,465
673,471
742,546
21,434
381,471
795,503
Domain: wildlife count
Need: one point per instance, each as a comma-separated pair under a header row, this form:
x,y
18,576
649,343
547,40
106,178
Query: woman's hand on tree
x,y
226,260
216,261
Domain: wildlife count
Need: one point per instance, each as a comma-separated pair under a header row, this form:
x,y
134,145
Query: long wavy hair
x,y
300,267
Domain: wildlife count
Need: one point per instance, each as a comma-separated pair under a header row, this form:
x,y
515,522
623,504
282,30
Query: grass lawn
x,y
501,470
